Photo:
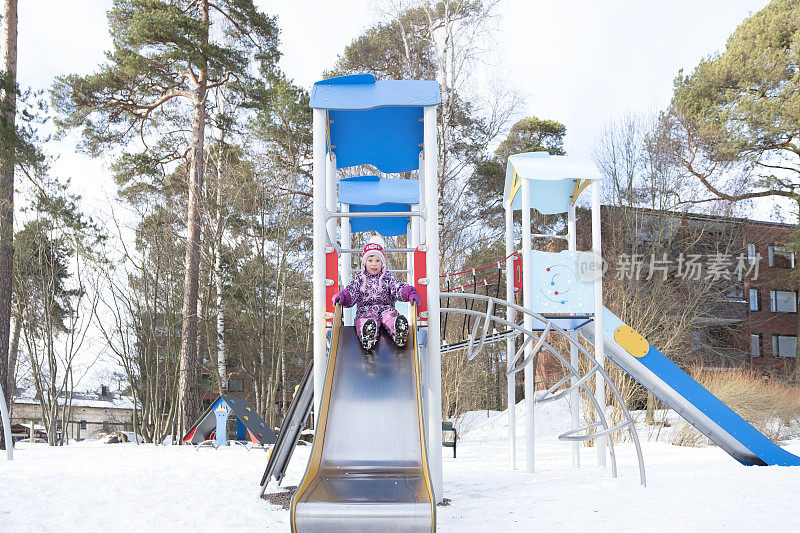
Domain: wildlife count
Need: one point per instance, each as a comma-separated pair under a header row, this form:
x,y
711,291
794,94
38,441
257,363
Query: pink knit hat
x,y
374,247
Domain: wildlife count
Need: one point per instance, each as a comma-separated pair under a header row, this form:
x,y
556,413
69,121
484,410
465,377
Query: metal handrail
x,y
380,214
572,371
385,250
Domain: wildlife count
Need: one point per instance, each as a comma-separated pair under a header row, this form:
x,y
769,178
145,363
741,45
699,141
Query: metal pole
x,y
345,262
421,222
331,196
511,392
412,241
6,425
527,303
574,396
318,286
599,352
431,207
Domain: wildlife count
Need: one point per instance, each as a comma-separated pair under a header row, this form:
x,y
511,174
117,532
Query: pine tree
x,y
734,120
8,104
167,58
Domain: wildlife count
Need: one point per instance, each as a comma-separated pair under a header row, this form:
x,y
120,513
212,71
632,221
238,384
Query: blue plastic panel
x,y
361,91
567,323
371,190
557,287
386,226
388,137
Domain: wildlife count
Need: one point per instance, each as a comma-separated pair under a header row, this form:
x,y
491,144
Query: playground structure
x,y
376,457
6,419
212,426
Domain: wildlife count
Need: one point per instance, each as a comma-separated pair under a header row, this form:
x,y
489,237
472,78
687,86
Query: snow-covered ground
x,y
124,487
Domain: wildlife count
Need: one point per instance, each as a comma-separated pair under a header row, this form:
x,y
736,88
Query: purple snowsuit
x,y
374,297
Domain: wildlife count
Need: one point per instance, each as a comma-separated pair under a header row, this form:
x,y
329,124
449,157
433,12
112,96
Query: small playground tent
x,y
212,424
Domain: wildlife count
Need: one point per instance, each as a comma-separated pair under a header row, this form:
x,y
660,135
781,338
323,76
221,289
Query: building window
x,y
751,254
784,346
236,385
754,299
783,301
755,345
780,257
83,424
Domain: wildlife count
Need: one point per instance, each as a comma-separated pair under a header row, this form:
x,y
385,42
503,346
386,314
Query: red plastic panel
x,y
420,273
331,281
517,266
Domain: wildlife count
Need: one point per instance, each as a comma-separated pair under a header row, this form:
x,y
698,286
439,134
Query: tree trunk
x,y
221,368
187,385
13,350
8,103
650,416
797,347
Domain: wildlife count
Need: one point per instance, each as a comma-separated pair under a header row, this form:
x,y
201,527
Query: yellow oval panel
x,y
631,340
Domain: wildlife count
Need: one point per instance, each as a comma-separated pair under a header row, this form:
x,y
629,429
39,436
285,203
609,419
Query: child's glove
x,y
343,298
411,295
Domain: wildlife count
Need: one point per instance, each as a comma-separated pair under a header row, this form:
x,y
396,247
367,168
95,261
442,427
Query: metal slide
x,y
688,398
368,469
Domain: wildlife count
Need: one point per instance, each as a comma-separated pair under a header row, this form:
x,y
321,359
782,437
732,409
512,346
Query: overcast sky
x,y
580,62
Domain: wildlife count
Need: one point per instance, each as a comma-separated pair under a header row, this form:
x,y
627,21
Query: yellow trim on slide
x,y
422,443
319,435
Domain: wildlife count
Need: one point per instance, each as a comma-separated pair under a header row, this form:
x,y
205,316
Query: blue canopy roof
x,y
375,122
555,179
361,91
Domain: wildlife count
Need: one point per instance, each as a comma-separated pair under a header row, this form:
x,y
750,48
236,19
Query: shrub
x,y
773,408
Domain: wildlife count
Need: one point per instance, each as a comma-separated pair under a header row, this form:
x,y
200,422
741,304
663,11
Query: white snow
x,y
91,486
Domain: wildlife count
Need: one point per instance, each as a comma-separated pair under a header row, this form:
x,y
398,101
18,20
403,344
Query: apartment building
x,y
772,318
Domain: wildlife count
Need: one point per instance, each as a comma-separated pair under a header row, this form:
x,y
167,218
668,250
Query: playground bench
x,y
449,436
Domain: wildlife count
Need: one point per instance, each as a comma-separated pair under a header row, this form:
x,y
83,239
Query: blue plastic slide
x,y
688,398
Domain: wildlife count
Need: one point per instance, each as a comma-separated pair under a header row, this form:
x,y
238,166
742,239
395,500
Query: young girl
x,y
374,291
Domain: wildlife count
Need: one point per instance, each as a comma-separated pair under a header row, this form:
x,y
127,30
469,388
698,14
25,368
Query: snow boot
x,y
369,334
401,331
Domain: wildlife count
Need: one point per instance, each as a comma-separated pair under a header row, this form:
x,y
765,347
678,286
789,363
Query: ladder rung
x,y
381,214
392,250
549,236
392,270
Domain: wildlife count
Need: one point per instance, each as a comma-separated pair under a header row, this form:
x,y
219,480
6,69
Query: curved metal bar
x,y
572,434
6,420
581,382
573,337
487,321
536,348
573,371
553,397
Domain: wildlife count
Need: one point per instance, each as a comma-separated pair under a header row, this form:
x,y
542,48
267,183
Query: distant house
x,y
93,412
